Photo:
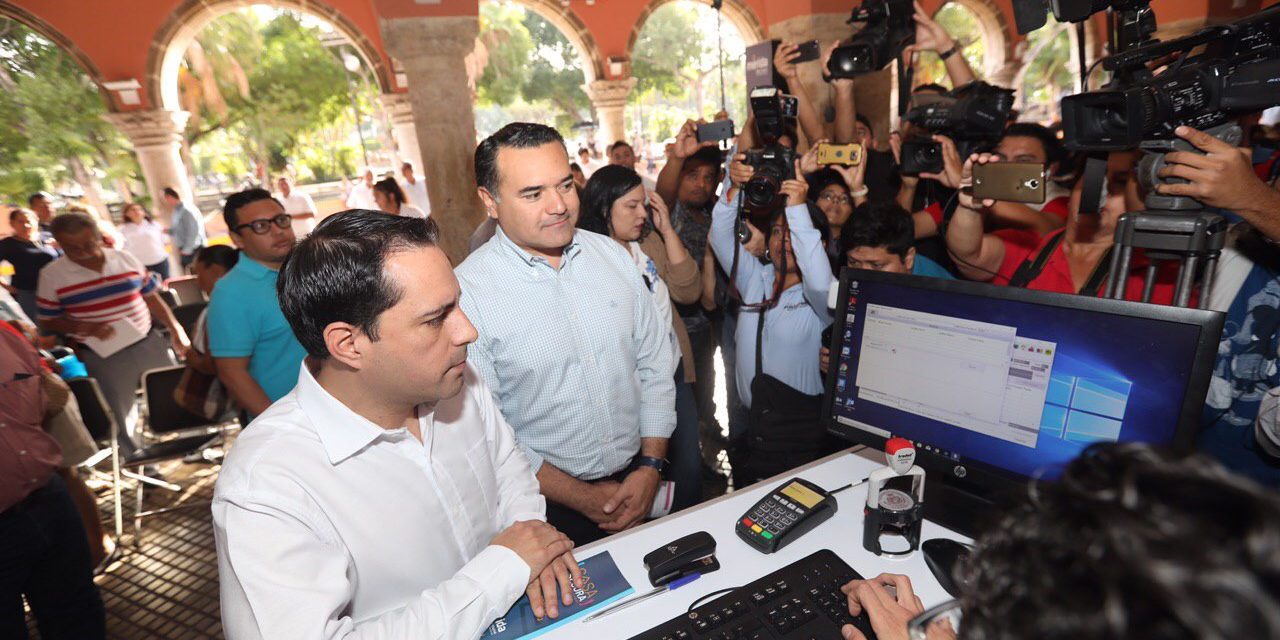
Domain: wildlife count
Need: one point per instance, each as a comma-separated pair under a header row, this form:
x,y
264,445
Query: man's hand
x,y
99,330
782,60
687,140
633,499
536,542
838,83
930,36
889,612
965,192
1221,178
592,500
564,572
951,163
756,243
796,189
739,171
809,161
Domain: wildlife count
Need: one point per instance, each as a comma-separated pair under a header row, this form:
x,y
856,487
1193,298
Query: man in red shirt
x,y
43,551
1076,259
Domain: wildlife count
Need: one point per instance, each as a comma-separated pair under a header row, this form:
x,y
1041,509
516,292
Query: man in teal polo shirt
x,y
253,347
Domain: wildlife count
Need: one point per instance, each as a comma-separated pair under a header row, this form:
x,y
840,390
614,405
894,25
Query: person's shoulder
x,y
478,263
601,245
279,443
925,266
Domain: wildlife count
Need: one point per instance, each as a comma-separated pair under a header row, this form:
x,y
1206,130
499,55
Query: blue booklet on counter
x,y
602,585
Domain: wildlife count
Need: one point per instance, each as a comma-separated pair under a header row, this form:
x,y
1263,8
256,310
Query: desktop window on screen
x,y
1017,385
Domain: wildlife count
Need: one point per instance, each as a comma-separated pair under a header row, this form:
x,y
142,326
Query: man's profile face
x,y
536,204
697,184
43,211
83,247
623,155
880,259
421,350
270,247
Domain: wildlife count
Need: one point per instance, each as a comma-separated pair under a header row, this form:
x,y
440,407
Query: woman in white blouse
x,y
145,239
390,198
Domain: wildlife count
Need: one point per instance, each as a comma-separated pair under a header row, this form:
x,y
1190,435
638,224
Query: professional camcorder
x,y
888,29
773,162
971,115
1238,72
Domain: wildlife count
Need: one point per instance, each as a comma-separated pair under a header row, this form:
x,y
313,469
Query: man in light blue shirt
x,y
570,342
253,347
186,228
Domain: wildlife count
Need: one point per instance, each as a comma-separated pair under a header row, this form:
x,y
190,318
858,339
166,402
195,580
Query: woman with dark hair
x,y
390,198
837,190
210,264
145,239
615,204
27,253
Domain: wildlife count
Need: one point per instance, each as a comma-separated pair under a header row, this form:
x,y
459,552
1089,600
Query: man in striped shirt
x,y
94,291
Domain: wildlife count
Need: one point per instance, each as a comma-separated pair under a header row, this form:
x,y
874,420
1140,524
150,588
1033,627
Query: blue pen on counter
x,y
673,585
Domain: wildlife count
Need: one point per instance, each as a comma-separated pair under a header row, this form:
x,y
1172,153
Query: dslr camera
x,y
1235,73
972,115
888,29
774,163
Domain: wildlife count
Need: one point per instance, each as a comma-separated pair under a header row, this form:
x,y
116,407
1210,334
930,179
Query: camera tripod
x,y
1171,228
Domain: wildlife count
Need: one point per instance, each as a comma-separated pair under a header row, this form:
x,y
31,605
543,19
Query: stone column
x,y
609,97
400,111
433,52
156,136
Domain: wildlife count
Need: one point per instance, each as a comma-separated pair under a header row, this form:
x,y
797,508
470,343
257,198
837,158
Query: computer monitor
x,y
996,385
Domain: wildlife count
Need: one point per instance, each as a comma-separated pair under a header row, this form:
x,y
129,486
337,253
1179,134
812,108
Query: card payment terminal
x,y
787,513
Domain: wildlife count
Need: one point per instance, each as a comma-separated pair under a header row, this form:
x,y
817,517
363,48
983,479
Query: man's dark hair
x,y
172,193
930,87
19,211
336,273
606,185
31,199
620,143
517,135
237,201
862,117
878,223
706,155
1053,149
225,256
1130,542
72,222
821,179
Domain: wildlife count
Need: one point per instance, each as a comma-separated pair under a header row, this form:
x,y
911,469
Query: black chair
x,y
187,290
158,385
188,314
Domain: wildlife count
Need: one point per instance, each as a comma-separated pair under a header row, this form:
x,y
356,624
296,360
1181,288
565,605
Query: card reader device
x,y
787,513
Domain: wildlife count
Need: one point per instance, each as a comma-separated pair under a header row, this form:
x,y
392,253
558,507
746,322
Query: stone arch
x,y
735,11
183,25
999,54
575,30
46,30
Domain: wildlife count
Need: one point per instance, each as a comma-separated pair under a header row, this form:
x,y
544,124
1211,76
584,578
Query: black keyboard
x,y
801,600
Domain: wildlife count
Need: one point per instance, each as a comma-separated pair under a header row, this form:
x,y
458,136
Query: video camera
x,y
971,115
889,29
1237,72
774,163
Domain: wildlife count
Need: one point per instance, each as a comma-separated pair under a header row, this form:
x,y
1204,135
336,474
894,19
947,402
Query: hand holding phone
x,y
1010,182
845,154
715,131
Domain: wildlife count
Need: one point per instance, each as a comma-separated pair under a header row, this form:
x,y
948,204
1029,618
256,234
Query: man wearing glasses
x,y
253,348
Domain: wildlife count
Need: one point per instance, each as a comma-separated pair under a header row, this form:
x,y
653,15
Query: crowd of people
x,y
557,385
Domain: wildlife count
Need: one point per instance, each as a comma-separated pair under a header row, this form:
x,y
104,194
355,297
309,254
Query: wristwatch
x,y
659,464
955,46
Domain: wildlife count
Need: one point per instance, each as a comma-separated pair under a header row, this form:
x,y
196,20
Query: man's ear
x,y
344,343
490,202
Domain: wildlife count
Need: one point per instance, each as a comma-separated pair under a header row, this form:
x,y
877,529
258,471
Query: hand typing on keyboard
x,y
888,601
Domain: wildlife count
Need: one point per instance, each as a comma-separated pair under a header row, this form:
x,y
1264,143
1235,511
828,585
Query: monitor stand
x,y
960,508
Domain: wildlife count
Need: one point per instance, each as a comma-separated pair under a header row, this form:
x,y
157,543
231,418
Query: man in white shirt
x,y
384,497
298,205
415,189
361,196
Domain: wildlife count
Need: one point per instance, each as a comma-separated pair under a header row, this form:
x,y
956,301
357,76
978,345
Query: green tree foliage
x,y
51,125
529,60
265,82
1048,73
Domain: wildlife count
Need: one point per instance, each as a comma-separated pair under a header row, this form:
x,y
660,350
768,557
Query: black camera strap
x,y
1031,268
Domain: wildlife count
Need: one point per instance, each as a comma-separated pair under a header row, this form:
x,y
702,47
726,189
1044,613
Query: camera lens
x,y
761,190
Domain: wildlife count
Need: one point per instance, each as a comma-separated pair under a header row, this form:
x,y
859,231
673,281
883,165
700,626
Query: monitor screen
x,y
1014,380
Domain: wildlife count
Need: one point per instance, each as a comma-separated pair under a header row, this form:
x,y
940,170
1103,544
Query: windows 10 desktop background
x,y
1113,377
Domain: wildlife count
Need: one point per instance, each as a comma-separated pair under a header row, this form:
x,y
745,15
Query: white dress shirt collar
x,y
342,431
